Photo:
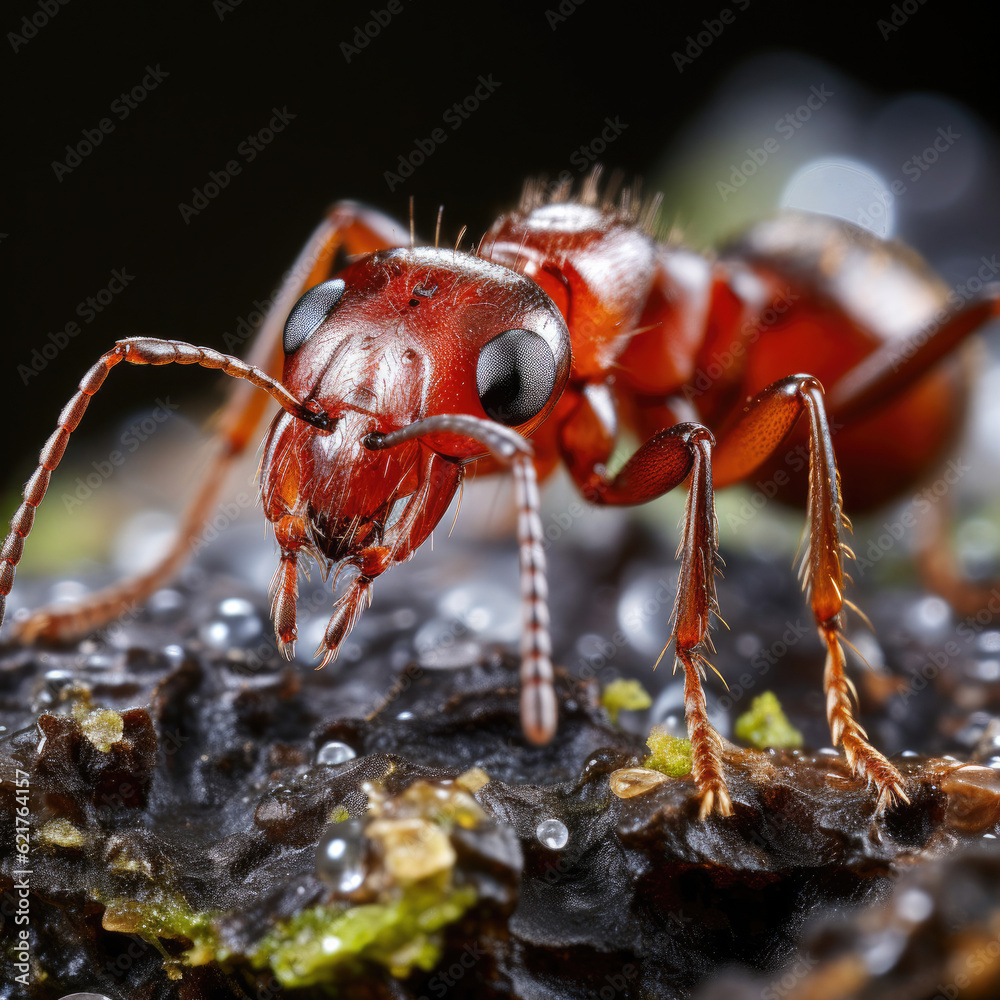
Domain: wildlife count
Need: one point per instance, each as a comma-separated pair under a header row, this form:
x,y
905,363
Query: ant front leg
x,y
347,229
539,712
136,351
759,429
659,465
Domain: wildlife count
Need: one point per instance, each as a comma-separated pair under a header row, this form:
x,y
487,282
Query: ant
x,y
403,366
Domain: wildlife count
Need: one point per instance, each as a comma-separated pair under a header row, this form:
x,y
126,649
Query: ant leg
x,y
290,532
137,351
539,712
882,377
439,479
757,432
658,466
347,229
348,609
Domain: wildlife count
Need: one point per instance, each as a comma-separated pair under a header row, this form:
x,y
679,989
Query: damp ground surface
x,y
204,820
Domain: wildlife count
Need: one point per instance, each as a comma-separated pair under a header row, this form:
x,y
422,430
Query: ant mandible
x,y
402,367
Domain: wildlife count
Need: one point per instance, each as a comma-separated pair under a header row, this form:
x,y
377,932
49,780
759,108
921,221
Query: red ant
x,y
403,367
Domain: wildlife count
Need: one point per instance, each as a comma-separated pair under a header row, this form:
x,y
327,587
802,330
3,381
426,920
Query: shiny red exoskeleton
x,y
402,367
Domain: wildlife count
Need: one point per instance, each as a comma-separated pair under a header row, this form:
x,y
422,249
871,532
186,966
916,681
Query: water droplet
x,y
84,996
552,833
929,616
883,953
334,752
644,609
404,715
67,592
915,905
989,642
668,711
403,618
445,645
236,623
165,603
845,188
340,855
491,610
986,670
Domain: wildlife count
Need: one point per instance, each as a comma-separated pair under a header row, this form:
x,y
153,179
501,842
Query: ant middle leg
x,y
659,465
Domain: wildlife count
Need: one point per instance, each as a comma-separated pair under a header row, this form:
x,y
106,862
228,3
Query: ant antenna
x,y
412,237
437,228
460,235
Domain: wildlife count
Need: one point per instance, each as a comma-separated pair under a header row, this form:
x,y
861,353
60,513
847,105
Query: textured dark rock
x,y
176,806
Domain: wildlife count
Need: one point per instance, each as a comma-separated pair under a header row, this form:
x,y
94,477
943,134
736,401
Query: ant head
x,y
406,334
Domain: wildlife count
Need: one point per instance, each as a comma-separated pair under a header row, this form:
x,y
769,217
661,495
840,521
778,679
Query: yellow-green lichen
x,y
402,935
624,694
765,724
169,916
416,898
103,727
61,833
668,754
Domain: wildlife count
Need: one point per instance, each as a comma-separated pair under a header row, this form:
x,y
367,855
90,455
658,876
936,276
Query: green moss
x,y
668,754
622,694
311,947
766,725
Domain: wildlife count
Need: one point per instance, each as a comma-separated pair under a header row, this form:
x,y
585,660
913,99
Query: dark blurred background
x,y
565,71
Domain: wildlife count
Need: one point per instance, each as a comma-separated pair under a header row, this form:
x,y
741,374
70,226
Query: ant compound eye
x,y
310,311
515,376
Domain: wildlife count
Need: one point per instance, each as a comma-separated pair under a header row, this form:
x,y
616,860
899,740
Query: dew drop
x,y
340,856
915,905
334,752
552,833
